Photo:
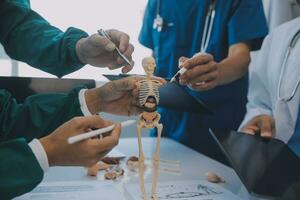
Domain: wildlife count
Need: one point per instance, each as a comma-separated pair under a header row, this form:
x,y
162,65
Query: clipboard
x,y
266,167
174,97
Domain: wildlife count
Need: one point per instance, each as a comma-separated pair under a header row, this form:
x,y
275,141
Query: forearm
x,y
27,37
38,115
235,66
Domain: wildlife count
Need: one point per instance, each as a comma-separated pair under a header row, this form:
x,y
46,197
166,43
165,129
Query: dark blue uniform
x,y
236,21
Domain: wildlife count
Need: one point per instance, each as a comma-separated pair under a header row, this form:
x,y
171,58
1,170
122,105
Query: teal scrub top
x,y
236,21
38,116
28,37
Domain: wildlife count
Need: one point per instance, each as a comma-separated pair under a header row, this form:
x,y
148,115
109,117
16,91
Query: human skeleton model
x,y
149,118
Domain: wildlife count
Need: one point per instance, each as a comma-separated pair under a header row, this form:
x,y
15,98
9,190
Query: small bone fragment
x,y
93,170
111,175
114,173
214,178
112,160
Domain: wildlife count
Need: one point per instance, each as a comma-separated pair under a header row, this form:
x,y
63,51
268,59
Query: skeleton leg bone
x,y
156,159
141,162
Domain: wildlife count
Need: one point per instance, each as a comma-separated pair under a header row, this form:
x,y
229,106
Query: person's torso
x,y
182,32
284,76
183,28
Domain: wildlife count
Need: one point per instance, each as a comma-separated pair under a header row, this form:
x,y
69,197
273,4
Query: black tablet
x,y
266,167
173,96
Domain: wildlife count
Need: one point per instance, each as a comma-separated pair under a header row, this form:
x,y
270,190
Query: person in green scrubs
x,y
28,131
28,37
37,119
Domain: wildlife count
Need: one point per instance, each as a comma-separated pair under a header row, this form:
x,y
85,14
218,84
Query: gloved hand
x,y
98,51
84,153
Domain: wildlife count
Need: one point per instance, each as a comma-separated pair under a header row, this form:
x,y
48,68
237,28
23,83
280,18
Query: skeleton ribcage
x,y
148,88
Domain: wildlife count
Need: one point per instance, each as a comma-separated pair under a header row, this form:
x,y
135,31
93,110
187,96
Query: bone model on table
x,y
149,118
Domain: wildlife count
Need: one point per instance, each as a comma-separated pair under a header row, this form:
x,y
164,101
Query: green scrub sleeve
x,y
28,37
38,116
20,171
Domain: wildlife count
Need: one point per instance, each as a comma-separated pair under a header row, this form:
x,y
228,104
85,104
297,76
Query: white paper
x,y
77,190
115,153
187,190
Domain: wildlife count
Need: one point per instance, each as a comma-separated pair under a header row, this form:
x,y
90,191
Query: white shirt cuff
x,y
83,106
40,154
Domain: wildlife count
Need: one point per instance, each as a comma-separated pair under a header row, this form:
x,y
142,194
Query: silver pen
x,y
183,70
179,73
104,34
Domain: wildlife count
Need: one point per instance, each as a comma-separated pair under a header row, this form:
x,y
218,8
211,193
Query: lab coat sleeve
x,y
38,116
20,171
247,23
259,101
28,37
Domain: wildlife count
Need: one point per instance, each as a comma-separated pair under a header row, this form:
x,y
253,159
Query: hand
x,y
264,125
98,51
85,153
202,72
119,97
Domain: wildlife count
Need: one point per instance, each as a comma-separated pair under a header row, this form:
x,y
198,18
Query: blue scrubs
x,y
235,21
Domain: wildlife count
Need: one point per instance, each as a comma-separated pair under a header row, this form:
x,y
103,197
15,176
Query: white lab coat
x,y
264,81
280,11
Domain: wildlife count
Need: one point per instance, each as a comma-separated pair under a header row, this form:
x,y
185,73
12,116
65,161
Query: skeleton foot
x,y
145,197
154,197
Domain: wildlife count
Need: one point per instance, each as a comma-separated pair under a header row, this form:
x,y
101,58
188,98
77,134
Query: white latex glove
x,y
98,51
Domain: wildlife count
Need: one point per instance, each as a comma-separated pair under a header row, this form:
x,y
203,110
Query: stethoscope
x,y
291,46
158,23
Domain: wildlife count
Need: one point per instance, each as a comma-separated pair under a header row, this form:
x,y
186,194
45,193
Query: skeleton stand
x,y
149,98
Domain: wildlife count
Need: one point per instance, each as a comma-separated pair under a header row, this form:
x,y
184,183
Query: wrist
x,y
93,100
49,149
79,52
219,79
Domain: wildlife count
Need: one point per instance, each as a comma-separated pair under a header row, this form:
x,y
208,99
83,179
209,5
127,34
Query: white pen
x,y
88,135
183,70
179,73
